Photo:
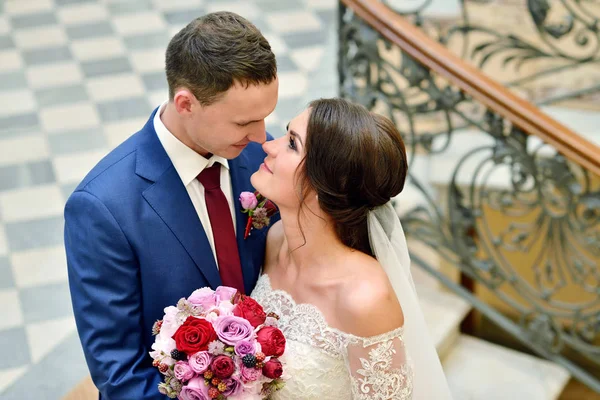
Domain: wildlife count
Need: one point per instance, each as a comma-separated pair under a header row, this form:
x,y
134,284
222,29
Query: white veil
x,y
389,246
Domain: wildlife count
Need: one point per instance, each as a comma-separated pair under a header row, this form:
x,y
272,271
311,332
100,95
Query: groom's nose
x,y
259,133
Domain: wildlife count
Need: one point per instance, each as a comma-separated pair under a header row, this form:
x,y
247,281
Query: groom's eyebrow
x,y
287,128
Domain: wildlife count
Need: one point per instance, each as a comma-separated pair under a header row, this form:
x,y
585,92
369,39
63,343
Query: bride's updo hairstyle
x,y
354,161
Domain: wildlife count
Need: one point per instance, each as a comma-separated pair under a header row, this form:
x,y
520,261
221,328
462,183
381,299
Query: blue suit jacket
x,y
135,245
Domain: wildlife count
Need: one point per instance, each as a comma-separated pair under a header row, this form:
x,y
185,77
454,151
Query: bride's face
x,y
276,179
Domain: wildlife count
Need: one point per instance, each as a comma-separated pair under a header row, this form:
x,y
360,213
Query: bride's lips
x,y
264,166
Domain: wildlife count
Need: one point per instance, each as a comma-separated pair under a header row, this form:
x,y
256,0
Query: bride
x,y
336,268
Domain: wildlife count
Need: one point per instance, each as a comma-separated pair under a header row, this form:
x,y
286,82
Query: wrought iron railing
x,y
549,49
519,208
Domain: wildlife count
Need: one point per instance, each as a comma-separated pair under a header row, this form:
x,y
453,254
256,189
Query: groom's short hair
x,y
213,52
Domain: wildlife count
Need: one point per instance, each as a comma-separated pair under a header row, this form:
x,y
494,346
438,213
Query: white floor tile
x,y
244,8
175,5
322,4
47,36
9,376
73,168
277,44
15,7
16,102
174,29
43,337
3,242
10,60
31,203
115,87
158,97
118,132
39,266
64,118
308,58
292,22
138,23
97,48
292,84
58,74
272,119
148,61
10,313
14,150
4,25
75,14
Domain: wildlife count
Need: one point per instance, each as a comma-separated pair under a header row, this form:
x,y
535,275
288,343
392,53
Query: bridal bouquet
x,y
218,344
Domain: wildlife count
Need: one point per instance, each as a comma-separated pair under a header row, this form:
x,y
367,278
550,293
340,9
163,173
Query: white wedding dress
x,y
324,363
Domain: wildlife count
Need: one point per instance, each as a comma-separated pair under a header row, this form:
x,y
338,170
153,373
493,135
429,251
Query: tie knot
x,y
210,177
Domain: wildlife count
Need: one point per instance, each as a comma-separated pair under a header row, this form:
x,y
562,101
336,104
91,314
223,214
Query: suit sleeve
x,y
106,295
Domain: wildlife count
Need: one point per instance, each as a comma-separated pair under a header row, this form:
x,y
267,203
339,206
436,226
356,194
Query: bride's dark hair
x,y
355,160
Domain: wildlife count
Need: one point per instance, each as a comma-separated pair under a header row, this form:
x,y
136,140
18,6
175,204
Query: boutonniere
x,y
259,210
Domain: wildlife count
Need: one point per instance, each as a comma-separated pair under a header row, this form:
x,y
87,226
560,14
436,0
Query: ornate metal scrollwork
x,y
553,38
514,215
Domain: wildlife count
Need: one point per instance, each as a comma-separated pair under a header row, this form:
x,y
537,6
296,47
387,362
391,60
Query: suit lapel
x,y
240,182
170,200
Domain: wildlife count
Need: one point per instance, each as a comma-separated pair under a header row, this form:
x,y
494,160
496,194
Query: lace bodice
x,y
324,362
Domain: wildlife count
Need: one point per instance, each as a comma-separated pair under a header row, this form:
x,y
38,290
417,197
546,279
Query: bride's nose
x,y
269,147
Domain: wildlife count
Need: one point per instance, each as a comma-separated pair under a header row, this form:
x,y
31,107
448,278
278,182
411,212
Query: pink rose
x,y
249,374
200,361
183,371
204,297
225,293
244,347
231,329
234,387
195,390
248,200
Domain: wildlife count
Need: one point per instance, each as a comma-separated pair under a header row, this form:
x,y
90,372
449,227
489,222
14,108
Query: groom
x,y
160,216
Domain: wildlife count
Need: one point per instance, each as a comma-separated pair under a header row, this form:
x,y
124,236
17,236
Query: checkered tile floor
x,y
76,78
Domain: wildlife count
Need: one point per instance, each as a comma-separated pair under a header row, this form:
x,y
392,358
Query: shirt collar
x,y
186,161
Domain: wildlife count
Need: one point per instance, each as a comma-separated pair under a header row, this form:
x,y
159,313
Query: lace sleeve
x,y
379,367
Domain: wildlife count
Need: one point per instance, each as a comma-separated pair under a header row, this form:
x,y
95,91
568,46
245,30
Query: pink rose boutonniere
x,y
259,210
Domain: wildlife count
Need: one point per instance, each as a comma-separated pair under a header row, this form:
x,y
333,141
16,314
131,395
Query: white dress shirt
x,y
188,165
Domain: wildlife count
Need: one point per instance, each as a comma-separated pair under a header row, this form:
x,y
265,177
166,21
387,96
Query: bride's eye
x,y
292,144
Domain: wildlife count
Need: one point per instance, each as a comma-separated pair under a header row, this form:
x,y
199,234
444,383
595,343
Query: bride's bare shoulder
x,y
367,303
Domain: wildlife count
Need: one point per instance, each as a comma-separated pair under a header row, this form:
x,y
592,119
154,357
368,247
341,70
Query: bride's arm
x,y
376,359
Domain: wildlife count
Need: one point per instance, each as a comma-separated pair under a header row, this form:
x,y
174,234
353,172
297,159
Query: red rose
x,y
194,335
223,367
271,341
273,369
249,309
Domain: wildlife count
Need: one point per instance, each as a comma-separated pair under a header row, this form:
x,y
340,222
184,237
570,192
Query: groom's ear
x,y
184,101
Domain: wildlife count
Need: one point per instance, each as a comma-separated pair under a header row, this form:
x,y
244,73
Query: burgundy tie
x,y
221,222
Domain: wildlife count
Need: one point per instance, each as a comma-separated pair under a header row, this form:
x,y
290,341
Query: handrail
x,y
475,83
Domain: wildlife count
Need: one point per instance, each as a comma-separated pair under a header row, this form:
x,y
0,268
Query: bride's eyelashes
x,y
292,144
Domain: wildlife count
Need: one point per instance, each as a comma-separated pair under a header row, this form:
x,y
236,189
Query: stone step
x,y
443,312
477,370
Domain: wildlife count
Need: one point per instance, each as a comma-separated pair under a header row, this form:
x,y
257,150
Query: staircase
x,y
477,369
456,120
